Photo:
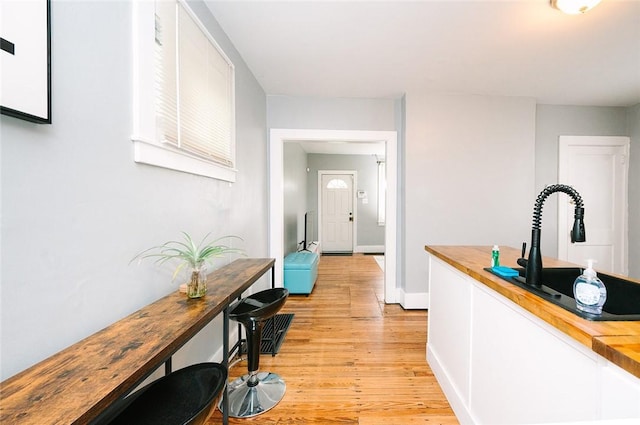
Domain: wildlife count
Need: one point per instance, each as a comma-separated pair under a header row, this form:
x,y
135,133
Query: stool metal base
x,y
246,401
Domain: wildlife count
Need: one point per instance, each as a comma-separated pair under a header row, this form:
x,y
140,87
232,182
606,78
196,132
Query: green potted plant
x,y
189,254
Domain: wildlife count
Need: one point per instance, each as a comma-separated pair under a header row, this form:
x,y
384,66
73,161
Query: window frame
x,y
146,146
336,184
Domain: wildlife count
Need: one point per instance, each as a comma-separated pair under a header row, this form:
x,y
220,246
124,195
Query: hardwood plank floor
x,y
350,359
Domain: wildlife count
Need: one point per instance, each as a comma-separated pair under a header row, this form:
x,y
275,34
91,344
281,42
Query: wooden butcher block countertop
x,y
617,341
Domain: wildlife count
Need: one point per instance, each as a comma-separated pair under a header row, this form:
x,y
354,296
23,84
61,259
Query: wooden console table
x,y
78,384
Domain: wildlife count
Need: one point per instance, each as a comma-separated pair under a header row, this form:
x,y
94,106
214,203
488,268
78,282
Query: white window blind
x,y
166,72
183,93
194,87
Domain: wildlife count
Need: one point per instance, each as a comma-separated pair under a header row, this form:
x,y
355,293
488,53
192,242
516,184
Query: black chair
x,y
256,392
183,397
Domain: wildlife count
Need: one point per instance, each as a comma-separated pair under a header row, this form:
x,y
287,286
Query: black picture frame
x,y
25,58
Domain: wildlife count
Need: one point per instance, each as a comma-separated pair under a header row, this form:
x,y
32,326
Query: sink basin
x,y
623,296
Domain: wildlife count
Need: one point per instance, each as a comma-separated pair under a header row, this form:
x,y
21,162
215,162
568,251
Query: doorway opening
x,y
278,137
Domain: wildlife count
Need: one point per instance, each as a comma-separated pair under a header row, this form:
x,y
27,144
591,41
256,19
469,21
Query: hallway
x,y
350,359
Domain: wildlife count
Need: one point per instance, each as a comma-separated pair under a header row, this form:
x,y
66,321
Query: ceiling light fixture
x,y
574,7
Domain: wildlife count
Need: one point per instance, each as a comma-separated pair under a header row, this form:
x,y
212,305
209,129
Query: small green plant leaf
x,y
187,253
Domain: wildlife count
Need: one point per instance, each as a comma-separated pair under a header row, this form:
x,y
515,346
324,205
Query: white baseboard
x,y
369,249
412,300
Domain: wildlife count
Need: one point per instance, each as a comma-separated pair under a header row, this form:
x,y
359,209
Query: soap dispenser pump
x,y
589,291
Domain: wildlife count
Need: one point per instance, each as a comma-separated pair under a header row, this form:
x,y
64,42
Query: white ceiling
x,y
383,49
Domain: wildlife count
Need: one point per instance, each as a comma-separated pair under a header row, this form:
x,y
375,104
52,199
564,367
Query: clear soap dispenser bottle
x,y
589,291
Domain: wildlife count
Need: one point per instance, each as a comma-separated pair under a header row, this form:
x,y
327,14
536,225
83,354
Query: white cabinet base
x,y
499,364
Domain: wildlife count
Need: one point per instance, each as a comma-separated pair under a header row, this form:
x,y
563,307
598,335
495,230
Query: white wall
x,y
295,195
76,208
330,113
633,130
469,175
473,164
553,121
368,232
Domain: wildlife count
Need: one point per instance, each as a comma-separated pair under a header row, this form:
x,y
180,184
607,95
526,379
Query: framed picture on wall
x,y
25,59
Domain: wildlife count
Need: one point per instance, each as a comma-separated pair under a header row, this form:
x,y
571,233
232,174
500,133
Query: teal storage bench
x,y
300,272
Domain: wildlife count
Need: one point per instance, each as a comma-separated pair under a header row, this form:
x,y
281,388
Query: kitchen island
x,y
505,355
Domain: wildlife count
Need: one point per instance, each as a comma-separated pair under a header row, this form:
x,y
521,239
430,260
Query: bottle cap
x,y
589,270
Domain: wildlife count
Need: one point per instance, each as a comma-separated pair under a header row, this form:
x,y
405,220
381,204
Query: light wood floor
x,y
350,359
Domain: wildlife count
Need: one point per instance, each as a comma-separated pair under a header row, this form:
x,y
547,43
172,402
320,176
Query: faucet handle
x,y
522,262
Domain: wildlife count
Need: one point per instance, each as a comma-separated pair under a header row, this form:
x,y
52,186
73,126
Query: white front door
x,y
337,213
597,167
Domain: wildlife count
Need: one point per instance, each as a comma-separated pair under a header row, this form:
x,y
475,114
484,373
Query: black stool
x,y
256,392
183,397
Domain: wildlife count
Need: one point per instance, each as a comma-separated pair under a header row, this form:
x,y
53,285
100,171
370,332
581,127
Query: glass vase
x,y
197,285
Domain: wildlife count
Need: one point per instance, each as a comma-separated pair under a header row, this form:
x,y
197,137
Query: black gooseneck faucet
x,y
534,262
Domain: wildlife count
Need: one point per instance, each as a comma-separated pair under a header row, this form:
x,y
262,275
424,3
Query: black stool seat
x,y
259,306
256,392
184,397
